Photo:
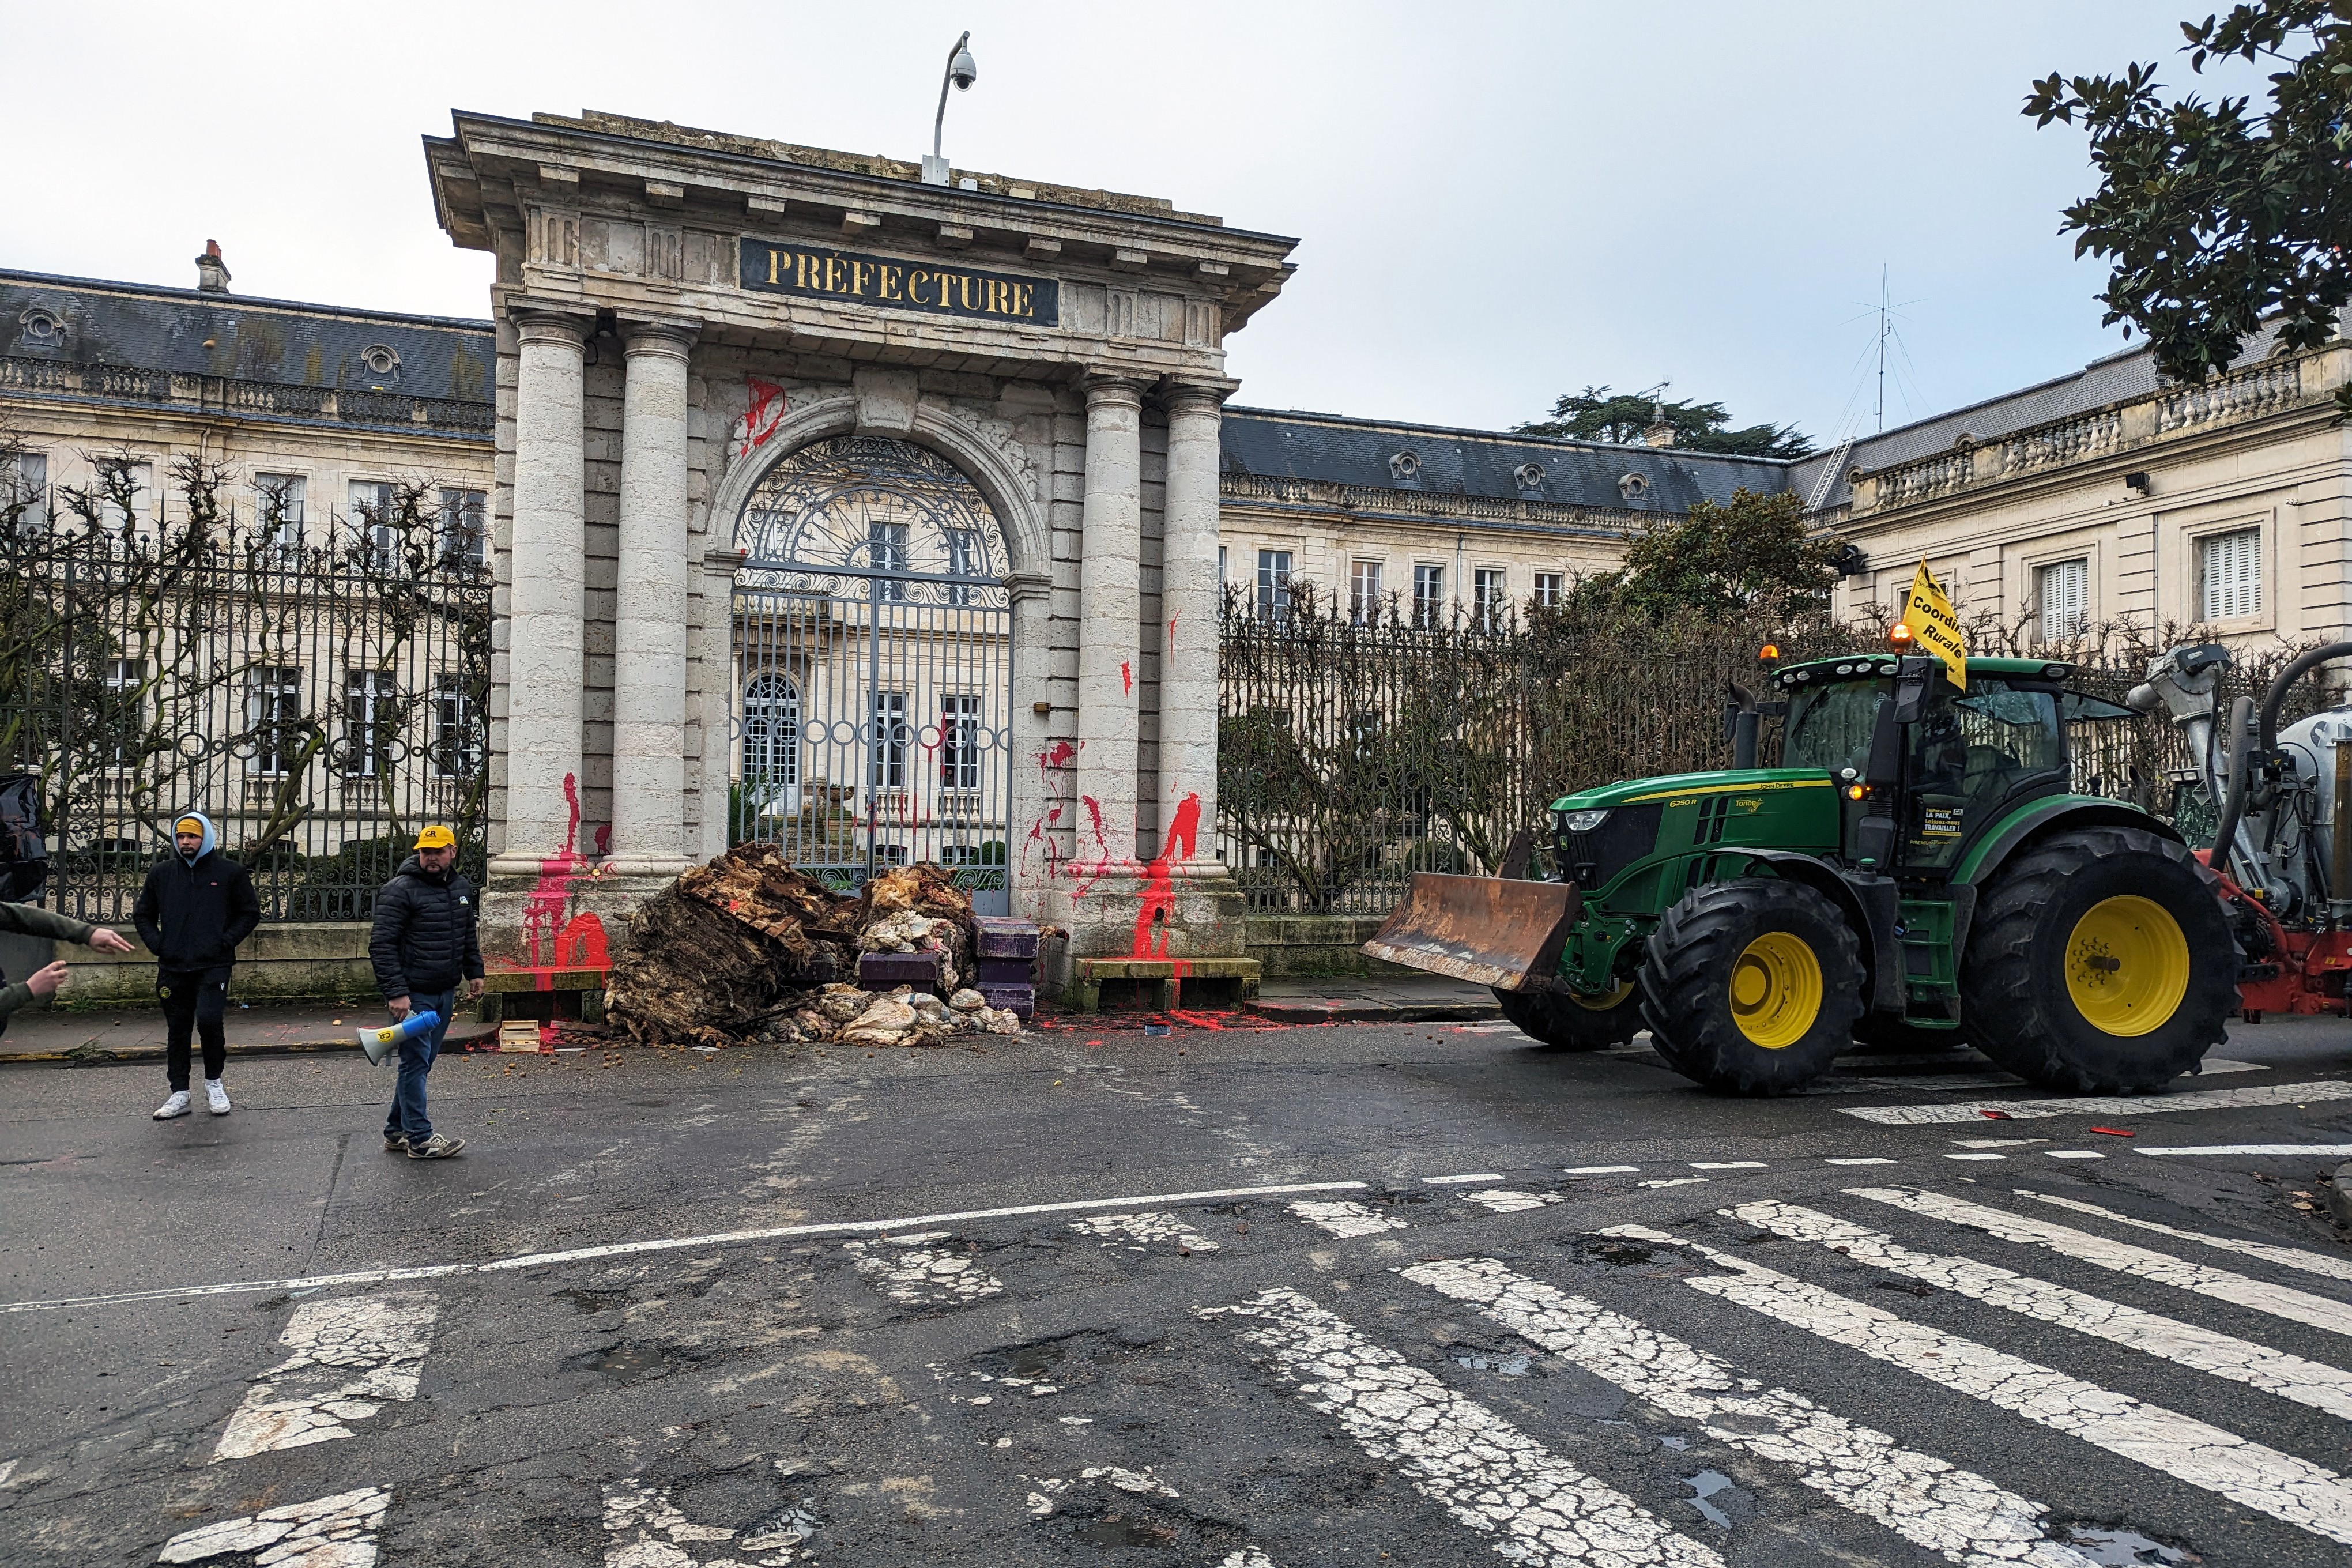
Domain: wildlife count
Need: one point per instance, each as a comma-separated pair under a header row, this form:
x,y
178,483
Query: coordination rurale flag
x,y
1934,626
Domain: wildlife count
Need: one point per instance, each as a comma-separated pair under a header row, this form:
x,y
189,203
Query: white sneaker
x,y
176,1106
215,1097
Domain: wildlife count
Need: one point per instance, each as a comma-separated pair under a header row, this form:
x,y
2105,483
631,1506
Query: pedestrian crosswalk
x,y
2099,1337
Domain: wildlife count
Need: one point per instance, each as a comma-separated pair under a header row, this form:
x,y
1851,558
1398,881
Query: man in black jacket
x,y
197,905
424,946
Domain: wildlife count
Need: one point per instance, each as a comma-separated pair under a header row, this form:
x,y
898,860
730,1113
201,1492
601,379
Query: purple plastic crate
x,y
1022,999
889,970
1008,971
997,936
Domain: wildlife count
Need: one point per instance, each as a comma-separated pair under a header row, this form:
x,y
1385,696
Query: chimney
x,y
1659,432
211,273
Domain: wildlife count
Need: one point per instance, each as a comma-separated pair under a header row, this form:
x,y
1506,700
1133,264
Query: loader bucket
x,y
1490,931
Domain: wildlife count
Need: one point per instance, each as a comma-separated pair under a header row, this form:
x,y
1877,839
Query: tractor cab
x,y
1923,768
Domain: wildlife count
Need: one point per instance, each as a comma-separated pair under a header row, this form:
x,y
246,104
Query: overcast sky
x,y
1494,202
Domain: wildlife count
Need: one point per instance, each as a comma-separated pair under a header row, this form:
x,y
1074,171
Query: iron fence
x,y
1354,750
319,701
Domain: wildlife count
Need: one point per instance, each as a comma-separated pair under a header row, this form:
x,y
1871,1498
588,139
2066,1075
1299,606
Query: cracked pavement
x,y
1251,1299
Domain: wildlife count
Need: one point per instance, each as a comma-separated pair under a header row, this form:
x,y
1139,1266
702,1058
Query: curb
x,y
104,1055
1309,1011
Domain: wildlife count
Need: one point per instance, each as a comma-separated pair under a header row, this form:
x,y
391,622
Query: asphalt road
x,y
1246,1299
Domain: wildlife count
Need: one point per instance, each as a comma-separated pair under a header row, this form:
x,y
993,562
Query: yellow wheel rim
x,y
1776,990
2127,966
1606,1000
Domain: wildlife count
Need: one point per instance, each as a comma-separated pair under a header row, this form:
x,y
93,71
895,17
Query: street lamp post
x,y
961,72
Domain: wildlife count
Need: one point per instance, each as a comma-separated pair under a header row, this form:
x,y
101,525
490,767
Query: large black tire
x,y
2099,963
1752,986
1561,1021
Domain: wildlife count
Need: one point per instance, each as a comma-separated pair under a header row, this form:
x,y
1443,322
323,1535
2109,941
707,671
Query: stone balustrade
x,y
261,399
2256,391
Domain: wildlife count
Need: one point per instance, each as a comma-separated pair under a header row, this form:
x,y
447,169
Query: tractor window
x,y
1830,726
1968,752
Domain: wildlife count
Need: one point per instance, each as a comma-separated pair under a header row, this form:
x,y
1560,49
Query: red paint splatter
x,y
1127,677
766,413
1056,755
1171,632
581,943
1159,905
543,912
603,839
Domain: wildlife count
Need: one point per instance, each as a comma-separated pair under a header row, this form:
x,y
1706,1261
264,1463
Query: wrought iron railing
x,y
320,704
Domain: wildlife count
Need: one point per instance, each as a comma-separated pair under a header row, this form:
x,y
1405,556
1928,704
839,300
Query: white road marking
x,y
1729,1166
1600,1169
336,1532
2316,1384
2268,1252
351,1356
1343,1216
1457,1181
1046,1490
2212,1064
1505,1200
2074,1153
1138,1231
1999,1143
1978,1156
665,1244
1861,1160
2141,1262
1485,1028
1247,1557
1538,1510
1677,1182
2135,1105
643,1529
2321,1149
915,1275
1925,1499
2290,1489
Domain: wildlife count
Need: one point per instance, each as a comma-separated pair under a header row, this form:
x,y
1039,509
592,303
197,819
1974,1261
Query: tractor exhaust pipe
x,y
1744,721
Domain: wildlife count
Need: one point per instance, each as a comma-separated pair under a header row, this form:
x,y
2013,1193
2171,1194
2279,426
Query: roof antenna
x,y
1882,346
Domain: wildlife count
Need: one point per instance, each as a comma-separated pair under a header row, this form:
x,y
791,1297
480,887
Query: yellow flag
x,y
1934,628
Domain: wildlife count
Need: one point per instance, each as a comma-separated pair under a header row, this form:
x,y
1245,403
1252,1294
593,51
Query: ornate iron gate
x,y
873,690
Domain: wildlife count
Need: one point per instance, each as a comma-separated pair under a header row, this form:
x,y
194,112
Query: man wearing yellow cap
x,y
197,905
424,947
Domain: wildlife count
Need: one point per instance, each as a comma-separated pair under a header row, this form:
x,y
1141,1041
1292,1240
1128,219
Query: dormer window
x,y
1529,475
1634,487
381,359
40,329
1405,467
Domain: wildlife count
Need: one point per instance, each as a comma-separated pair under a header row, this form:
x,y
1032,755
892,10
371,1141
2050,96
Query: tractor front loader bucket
x,y
1490,931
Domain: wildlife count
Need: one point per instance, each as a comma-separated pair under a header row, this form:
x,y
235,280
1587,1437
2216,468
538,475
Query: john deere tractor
x,y
1917,872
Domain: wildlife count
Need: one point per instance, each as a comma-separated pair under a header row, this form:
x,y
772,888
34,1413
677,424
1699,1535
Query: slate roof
x,y
2116,378
1291,444
279,341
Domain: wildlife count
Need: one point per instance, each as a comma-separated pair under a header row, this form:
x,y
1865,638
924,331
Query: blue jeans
x,y
417,1053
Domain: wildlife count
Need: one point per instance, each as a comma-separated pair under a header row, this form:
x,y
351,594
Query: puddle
x,y
628,1364
1509,1366
586,1301
2124,1546
1707,1483
1117,1532
1030,1363
1677,1444
1610,1251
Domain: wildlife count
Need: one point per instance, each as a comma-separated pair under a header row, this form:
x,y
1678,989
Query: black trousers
x,y
193,1004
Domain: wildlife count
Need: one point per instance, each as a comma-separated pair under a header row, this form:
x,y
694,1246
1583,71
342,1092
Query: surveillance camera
x,y
963,70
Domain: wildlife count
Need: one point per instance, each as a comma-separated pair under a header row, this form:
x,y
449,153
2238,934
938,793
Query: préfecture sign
x,y
1934,627
893,283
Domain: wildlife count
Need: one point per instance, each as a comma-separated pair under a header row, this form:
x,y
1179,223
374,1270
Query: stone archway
x,y
873,586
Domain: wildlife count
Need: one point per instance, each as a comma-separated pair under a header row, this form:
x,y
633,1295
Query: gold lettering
x,y
800,270
832,274
964,281
917,281
857,271
1023,300
998,297
889,281
771,264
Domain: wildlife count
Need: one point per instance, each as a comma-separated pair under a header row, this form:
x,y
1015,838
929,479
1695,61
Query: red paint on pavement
x,y
2116,1131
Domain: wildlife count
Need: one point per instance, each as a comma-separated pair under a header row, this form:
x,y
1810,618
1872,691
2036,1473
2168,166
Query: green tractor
x,y
1918,873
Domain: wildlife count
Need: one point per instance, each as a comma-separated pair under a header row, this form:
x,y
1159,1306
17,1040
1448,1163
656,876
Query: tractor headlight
x,y
1582,821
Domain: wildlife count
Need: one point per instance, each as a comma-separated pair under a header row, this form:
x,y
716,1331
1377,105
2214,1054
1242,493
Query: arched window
x,y
771,730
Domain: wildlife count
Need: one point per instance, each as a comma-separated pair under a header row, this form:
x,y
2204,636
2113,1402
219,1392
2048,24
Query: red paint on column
x,y
543,912
1127,677
1159,905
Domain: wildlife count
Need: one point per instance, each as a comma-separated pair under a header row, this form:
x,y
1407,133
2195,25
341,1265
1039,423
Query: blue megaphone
x,y
381,1042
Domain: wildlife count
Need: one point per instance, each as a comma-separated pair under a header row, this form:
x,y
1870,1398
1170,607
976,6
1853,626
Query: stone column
x,y
1188,597
545,666
649,625
1109,605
